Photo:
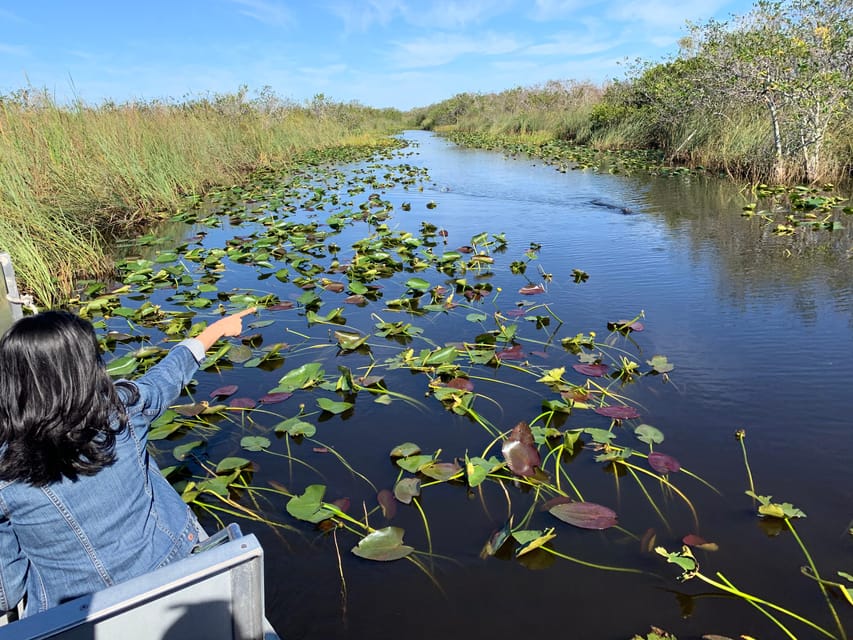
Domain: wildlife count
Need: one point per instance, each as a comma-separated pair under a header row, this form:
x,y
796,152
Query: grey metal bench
x,y
216,594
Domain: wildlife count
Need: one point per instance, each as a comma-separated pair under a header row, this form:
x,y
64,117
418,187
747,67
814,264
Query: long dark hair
x,y
57,402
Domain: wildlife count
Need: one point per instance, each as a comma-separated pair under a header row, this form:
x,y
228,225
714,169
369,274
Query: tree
x,y
795,57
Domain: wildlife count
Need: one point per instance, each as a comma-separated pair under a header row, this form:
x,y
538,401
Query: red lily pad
x,y
519,451
242,403
531,289
625,326
356,298
594,370
272,398
586,515
225,391
334,287
281,306
663,463
693,540
513,353
618,412
387,502
461,383
515,313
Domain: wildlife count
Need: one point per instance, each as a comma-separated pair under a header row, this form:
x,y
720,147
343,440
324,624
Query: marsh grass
x,y
73,178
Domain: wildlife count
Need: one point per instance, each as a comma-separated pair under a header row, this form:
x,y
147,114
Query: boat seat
x,y
215,594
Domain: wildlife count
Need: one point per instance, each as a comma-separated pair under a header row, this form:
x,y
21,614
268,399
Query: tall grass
x,y
74,177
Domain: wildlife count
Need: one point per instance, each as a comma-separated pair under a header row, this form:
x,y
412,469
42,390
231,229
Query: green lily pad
x,y
333,406
383,545
309,506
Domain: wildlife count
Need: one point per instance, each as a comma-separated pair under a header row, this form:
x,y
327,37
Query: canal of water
x,y
759,329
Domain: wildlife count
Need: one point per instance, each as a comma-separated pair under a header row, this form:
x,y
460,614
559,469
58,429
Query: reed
x,y
74,178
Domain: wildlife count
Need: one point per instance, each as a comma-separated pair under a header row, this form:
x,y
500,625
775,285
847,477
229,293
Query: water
x,y
759,330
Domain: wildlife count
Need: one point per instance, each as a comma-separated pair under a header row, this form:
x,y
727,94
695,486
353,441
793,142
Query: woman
x,y
82,504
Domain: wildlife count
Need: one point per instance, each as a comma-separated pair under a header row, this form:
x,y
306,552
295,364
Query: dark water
x,y
760,330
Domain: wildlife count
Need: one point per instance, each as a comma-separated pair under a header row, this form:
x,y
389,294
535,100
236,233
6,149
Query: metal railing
x,y
11,301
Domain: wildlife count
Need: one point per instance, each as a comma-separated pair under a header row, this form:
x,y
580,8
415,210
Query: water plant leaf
x,y
418,284
442,471
531,289
385,498
302,377
683,560
309,506
497,540
663,463
296,427
693,540
529,540
183,450
239,353
648,434
512,353
625,326
191,410
349,341
383,545
231,463
586,515
775,509
406,489
601,436
224,391
255,443
122,366
333,406
242,403
405,450
272,398
660,364
521,456
259,324
594,370
618,412
413,464
463,384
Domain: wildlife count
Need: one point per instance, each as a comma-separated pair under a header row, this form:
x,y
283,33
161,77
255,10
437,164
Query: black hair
x,y
59,409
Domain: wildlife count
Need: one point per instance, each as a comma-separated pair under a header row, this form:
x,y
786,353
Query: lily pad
x,y
618,412
224,391
586,515
383,545
333,406
309,506
519,451
406,489
663,463
594,370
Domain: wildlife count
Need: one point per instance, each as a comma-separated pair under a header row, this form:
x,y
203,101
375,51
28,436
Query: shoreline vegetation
x,y
76,180
763,99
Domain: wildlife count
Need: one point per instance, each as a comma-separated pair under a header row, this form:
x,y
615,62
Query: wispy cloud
x,y
572,44
663,14
442,48
14,49
359,16
453,14
544,10
266,11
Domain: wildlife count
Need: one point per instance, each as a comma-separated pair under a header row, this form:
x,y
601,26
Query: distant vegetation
x,y
764,97
74,178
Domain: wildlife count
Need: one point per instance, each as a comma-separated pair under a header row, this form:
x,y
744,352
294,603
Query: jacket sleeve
x,y
13,567
161,384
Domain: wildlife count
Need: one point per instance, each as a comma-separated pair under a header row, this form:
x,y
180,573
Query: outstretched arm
x,y
228,326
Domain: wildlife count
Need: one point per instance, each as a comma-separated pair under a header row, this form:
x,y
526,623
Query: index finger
x,y
245,312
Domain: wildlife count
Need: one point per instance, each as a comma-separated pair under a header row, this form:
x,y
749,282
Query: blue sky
x,y
383,53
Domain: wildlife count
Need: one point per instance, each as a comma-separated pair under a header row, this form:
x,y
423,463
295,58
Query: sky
x,y
380,53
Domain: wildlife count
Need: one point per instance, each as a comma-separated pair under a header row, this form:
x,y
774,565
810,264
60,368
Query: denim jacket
x,y
71,538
